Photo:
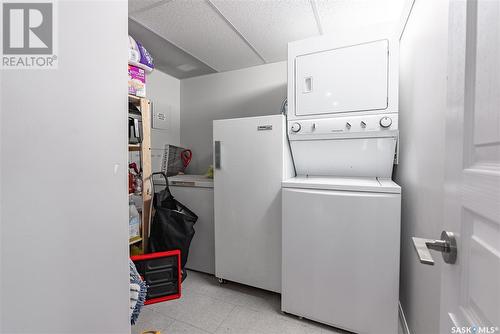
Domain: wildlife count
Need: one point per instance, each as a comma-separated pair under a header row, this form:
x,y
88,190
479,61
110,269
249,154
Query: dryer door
x,y
352,78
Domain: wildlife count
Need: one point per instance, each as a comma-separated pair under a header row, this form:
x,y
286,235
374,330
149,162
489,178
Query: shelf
x,y
134,240
136,100
134,147
144,149
141,65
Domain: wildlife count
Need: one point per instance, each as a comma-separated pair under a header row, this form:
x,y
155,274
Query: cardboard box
x,y
136,81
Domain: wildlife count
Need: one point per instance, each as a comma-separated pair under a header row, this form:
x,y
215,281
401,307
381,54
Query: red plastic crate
x,y
162,273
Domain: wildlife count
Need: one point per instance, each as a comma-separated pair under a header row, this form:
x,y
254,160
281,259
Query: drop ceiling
x,y
224,35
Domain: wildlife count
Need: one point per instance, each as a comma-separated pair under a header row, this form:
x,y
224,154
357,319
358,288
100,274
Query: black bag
x,y
172,226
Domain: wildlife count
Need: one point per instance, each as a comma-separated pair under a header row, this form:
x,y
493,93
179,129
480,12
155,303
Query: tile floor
x,y
207,307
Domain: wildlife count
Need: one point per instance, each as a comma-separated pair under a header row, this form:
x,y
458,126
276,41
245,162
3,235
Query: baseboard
x,y
402,319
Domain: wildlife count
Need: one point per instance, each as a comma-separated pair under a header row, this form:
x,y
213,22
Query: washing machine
x,y
341,212
341,229
341,251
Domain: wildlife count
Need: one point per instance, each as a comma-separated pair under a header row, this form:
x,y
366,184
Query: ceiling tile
x,y
195,27
340,14
270,24
138,5
167,57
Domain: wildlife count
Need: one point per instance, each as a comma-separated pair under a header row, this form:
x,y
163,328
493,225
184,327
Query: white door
x,y
470,289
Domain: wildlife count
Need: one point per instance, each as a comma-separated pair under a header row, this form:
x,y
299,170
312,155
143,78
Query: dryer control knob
x,y
295,127
385,122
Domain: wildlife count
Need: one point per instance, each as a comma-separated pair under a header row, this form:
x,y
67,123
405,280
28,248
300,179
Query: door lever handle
x,y
423,252
447,246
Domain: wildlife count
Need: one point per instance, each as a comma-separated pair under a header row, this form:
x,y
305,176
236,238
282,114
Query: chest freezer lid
x,y
189,180
366,184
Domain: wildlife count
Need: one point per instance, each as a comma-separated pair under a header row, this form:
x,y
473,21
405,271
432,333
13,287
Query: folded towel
x,y
138,291
135,290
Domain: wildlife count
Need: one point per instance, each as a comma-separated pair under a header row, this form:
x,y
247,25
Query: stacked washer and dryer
x,y
341,212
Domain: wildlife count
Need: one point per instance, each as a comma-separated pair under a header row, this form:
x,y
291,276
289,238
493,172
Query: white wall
x,y
1,201
252,91
422,96
164,91
64,241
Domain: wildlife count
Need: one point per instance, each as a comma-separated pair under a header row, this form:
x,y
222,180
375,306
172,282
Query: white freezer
x,y
251,160
341,241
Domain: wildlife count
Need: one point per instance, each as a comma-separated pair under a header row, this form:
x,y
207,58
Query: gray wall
x,y
164,90
253,91
422,98
64,241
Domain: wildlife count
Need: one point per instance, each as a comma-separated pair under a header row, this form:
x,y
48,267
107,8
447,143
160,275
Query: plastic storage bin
x,y
162,273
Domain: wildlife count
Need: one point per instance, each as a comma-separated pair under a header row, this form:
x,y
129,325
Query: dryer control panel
x,y
355,125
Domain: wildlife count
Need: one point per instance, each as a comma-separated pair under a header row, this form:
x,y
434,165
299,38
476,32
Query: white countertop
x,y
188,180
